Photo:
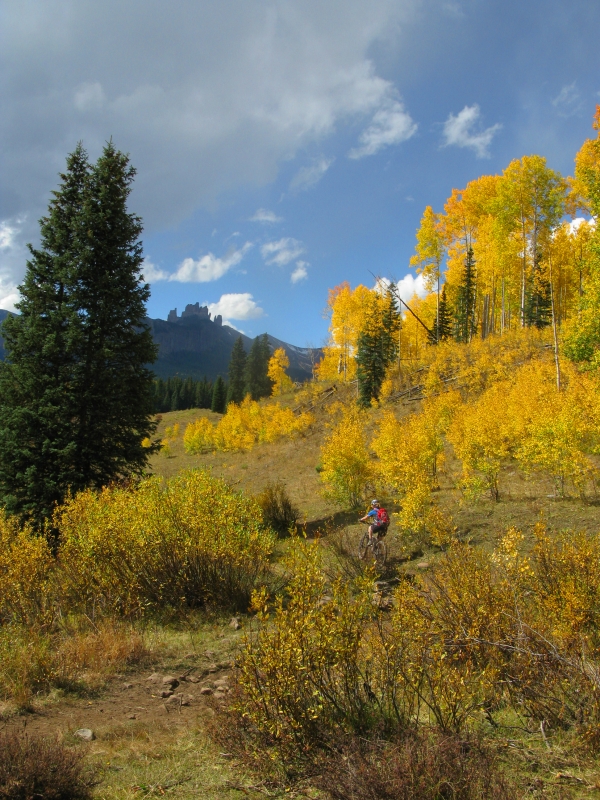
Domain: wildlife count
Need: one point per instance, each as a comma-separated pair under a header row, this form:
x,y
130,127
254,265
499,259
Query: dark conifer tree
x,y
237,373
390,323
76,395
258,383
443,331
219,396
464,317
370,366
377,347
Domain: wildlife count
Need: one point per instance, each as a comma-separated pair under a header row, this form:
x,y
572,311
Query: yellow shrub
x,y
410,452
188,541
345,459
198,436
480,632
250,423
483,437
26,566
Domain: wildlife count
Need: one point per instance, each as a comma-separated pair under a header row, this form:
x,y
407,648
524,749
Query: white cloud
x,y
307,177
575,224
13,256
8,233
406,288
300,273
205,97
409,286
263,215
567,101
458,130
391,124
239,305
282,251
205,269
152,273
208,268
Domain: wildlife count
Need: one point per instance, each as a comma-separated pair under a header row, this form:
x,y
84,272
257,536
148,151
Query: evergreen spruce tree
x,y
258,383
443,329
390,326
377,347
76,395
464,317
237,373
219,396
370,366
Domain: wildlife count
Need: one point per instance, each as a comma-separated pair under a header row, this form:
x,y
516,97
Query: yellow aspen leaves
x,y
243,426
345,460
349,310
278,364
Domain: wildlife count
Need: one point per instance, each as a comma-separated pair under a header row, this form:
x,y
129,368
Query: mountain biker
x,y
379,520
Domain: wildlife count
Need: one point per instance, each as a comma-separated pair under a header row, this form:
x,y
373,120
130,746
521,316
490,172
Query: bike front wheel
x,y
363,546
380,553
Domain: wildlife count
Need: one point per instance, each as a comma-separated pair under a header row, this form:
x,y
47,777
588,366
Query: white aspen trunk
x,y
554,330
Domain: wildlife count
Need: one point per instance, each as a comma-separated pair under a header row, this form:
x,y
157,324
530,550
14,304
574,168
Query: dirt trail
x,y
126,699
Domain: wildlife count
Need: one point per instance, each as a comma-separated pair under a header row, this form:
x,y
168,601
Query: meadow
x,y
477,640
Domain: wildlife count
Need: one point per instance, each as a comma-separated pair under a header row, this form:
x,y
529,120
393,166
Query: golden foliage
x,y
278,363
345,460
245,425
350,311
187,541
26,566
410,453
481,633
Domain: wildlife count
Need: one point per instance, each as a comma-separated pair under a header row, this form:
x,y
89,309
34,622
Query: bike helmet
x,y
374,502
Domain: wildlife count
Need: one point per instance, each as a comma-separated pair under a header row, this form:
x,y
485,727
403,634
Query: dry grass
x,y
79,659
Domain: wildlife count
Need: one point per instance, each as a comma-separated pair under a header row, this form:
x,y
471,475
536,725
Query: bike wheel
x,y
363,546
380,553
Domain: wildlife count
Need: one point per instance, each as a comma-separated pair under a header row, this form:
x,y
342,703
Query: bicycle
x,y
376,545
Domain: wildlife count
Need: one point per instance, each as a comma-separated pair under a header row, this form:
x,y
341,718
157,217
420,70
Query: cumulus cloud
x,y
152,273
263,215
459,130
300,273
406,288
309,176
13,256
282,251
391,124
409,286
239,306
576,223
205,269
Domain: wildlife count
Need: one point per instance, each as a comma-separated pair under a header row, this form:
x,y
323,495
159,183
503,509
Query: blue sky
x,y
283,147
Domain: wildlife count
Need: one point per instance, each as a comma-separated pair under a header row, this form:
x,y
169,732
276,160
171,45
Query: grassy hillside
x,y
319,654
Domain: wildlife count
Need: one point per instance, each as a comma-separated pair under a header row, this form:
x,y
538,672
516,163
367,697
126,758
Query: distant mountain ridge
x,y
195,345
